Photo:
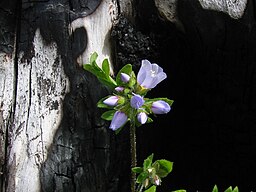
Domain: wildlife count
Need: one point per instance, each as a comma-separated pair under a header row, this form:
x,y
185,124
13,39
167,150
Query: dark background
x,y
210,134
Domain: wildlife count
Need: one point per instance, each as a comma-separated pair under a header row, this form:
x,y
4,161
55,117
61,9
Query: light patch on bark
x,y
41,88
234,8
98,26
168,11
6,84
6,101
127,9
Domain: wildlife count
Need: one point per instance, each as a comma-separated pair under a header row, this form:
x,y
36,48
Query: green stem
x,y
140,188
133,153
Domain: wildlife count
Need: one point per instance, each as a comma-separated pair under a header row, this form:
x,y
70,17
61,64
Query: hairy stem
x,y
133,153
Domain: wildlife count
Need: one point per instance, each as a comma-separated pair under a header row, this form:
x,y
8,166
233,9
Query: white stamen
x,y
152,73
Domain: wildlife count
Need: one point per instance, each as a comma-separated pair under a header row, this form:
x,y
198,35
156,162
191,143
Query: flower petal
x,y
157,180
137,101
160,107
160,77
119,119
145,66
150,75
124,77
119,89
142,117
111,101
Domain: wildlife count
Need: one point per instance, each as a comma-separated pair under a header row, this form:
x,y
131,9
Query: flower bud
x,y
119,89
137,101
119,119
124,77
160,107
111,101
157,180
146,183
142,117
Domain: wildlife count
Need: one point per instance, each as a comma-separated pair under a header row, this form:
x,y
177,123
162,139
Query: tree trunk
x,y
8,29
52,137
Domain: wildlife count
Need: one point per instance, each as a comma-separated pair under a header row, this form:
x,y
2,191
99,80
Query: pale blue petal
x,y
150,74
119,89
160,77
111,101
124,77
137,101
145,67
157,68
147,81
119,119
160,107
142,117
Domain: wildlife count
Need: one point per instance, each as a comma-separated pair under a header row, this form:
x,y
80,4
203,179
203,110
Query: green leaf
x,y
108,115
125,69
147,162
142,177
100,74
102,105
215,188
93,57
229,189
103,75
89,67
137,169
109,82
133,80
105,66
118,130
236,189
149,120
151,189
164,167
180,190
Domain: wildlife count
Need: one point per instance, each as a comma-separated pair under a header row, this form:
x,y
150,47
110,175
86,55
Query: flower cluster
x,y
128,101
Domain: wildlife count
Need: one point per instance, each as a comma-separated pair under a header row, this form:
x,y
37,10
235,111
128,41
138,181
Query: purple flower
x,y
119,119
137,101
142,117
124,77
119,89
160,107
150,75
111,101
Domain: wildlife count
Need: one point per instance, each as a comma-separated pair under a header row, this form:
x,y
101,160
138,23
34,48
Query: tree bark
x,y
52,136
8,41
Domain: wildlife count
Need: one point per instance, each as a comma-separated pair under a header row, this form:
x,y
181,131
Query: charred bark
x,y
8,61
57,140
